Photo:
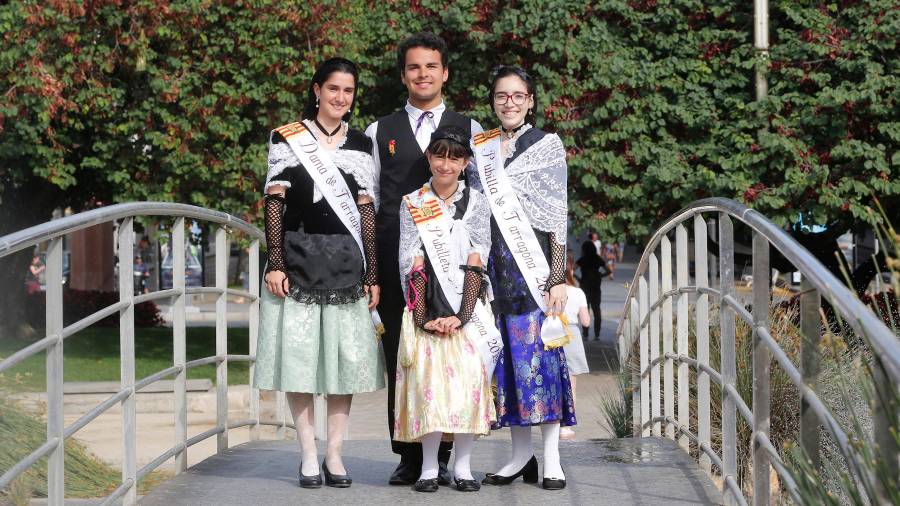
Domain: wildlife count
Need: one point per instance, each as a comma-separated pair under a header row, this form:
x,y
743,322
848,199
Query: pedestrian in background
x,y
593,270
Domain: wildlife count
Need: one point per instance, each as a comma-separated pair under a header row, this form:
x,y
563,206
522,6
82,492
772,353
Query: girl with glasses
x,y
522,171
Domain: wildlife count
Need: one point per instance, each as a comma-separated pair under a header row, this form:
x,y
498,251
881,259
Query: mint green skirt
x,y
317,348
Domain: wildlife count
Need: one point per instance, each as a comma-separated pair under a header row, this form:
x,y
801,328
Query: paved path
x,y
648,471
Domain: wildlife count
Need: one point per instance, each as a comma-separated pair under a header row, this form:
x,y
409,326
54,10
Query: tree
x,y
654,99
147,100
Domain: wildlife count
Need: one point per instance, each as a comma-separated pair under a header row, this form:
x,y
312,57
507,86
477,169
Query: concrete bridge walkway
x,y
599,470
647,471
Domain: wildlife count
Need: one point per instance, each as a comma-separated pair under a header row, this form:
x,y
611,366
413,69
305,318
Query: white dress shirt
x,y
423,135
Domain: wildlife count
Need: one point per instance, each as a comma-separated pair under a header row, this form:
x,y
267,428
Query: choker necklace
x,y
329,137
512,131
448,196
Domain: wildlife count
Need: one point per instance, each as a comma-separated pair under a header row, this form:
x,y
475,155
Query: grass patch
x,y
86,476
93,355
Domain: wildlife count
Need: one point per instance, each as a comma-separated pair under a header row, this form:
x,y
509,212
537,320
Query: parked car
x,y
193,271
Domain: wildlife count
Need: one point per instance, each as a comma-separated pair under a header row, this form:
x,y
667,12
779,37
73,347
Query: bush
x,y
78,304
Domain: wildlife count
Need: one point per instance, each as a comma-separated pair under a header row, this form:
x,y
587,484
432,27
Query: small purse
x,y
376,322
555,332
406,353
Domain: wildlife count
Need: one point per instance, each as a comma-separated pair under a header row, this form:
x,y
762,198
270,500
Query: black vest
x,y
404,168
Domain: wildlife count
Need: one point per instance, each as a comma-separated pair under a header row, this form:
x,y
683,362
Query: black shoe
x,y
335,480
554,483
443,474
467,485
430,485
313,481
529,474
405,474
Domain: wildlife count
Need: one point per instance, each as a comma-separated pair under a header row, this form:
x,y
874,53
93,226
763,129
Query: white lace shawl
x,y
359,165
476,220
538,176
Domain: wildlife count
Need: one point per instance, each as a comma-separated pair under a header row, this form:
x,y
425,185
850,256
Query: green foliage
x,y
654,99
153,99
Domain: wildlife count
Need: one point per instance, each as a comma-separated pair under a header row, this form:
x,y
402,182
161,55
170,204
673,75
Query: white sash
x,y
445,241
325,175
509,215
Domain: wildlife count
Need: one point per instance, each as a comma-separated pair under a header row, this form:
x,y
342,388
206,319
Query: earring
x,y
317,102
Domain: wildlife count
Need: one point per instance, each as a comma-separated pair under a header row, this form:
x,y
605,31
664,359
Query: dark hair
x,y
422,39
323,72
510,70
446,147
450,140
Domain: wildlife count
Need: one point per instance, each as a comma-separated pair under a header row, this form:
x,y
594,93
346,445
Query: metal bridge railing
x,y
53,232
652,303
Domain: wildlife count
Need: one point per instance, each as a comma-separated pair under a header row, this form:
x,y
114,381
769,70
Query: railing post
x,y
222,250
253,275
811,335
56,470
320,418
761,359
668,378
636,402
179,343
645,360
701,308
280,401
681,267
126,353
654,345
727,344
885,413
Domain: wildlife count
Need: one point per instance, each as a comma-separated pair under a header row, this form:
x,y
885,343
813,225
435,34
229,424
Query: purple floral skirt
x,y
533,384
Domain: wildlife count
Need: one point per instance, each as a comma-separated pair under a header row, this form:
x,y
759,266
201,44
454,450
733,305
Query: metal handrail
x,y
56,228
53,232
857,314
647,304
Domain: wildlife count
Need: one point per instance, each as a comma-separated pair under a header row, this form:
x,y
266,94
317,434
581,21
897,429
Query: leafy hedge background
x,y
116,100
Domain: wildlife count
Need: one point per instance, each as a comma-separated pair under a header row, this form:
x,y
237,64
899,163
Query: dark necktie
x,y
426,114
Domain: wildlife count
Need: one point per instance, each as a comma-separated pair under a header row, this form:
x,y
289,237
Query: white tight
x,y
523,450
462,449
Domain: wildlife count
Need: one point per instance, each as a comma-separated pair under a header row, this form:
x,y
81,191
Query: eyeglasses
x,y
517,98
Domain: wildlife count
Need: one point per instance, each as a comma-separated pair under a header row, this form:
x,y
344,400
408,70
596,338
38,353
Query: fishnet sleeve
x,y
557,263
274,209
417,283
367,216
472,285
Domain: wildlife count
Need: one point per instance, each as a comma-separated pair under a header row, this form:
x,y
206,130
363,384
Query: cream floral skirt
x,y
441,386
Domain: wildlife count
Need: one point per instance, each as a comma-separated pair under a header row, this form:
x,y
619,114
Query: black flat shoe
x,y
466,485
430,485
554,483
312,481
529,474
335,480
443,474
405,474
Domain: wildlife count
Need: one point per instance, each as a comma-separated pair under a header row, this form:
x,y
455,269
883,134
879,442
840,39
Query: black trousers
x,y
593,300
390,308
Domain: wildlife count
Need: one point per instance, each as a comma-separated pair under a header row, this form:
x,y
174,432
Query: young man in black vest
x,y
398,144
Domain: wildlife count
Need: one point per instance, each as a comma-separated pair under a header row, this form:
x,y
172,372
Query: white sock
x,y
301,406
552,467
522,451
430,444
462,451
